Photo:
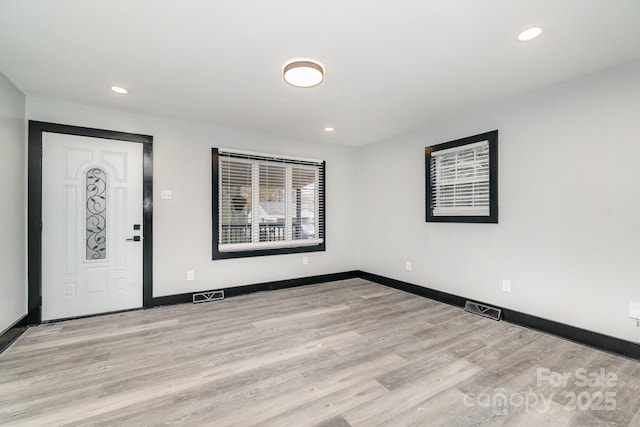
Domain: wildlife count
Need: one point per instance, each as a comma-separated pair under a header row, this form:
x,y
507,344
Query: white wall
x,y
569,186
13,213
182,226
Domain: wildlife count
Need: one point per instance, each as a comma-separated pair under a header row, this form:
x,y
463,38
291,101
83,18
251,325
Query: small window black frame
x,y
215,200
492,218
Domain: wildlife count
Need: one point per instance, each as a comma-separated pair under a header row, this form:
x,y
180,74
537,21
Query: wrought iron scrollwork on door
x,y
96,214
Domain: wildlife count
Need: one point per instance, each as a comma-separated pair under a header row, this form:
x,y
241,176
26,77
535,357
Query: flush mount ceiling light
x,y
529,34
120,90
303,72
329,129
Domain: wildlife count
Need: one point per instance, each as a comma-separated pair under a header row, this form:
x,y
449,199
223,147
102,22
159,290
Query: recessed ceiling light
x,y
329,129
303,72
529,34
120,90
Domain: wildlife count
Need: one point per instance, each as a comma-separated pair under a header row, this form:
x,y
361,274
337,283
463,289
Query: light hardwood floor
x,y
348,353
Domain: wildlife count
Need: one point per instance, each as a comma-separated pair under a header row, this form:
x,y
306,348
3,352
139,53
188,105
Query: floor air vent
x,y
208,296
483,310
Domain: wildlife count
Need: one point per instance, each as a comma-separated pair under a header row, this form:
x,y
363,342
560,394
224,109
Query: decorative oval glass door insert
x,y
96,214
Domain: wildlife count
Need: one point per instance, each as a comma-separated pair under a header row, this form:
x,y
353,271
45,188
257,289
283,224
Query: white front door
x,y
91,211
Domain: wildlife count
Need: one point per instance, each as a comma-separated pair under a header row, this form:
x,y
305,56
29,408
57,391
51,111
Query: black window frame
x,y
219,255
492,218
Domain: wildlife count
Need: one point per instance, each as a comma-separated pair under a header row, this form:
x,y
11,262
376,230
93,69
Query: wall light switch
x,y
506,285
305,260
191,275
634,309
407,265
165,194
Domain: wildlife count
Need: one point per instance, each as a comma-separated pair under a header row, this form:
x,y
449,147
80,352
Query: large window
x,y
264,205
462,180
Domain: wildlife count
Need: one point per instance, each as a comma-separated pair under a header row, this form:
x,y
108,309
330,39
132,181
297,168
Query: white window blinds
x,y
460,180
267,202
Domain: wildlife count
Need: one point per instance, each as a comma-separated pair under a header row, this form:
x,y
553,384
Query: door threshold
x,y
86,316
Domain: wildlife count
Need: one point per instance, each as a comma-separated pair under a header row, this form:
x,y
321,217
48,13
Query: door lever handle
x,y
133,239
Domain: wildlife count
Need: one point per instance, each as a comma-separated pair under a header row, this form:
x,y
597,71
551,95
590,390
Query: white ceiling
x,y
392,66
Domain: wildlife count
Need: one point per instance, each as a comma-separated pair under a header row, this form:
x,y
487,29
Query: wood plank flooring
x,y
347,353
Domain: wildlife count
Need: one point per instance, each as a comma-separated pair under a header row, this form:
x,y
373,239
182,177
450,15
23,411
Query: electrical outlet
x,y
191,275
407,265
506,285
165,194
305,260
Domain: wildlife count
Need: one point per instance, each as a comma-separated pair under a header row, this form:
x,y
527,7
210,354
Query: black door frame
x,y
36,129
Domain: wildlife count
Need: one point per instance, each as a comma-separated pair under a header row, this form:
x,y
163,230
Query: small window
x,y
96,214
462,180
266,205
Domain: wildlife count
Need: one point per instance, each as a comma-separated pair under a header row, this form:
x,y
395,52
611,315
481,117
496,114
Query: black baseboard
x,y
265,286
582,336
592,339
12,334
415,289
